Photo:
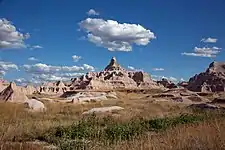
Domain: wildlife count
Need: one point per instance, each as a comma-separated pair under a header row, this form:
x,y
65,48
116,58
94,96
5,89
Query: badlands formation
x,y
212,80
92,87
13,93
3,84
113,77
104,85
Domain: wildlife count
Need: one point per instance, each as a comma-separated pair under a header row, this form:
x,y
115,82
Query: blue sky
x,y
165,38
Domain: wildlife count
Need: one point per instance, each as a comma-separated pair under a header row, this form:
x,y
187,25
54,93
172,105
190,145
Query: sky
x,y
46,41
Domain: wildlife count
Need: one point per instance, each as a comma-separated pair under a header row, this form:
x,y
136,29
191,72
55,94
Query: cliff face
x,y
212,80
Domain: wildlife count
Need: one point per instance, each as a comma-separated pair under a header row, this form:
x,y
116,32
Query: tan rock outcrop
x,y
3,84
212,80
29,89
183,84
114,77
103,110
167,84
86,97
13,93
180,95
53,88
34,105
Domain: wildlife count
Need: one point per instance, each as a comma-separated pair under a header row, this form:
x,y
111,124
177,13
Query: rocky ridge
x,y
114,77
212,80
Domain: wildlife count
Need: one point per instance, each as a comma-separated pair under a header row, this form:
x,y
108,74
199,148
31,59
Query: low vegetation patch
x,y
107,130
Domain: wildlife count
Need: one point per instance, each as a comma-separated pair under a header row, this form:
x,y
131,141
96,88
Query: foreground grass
x,y
205,135
137,127
18,125
90,132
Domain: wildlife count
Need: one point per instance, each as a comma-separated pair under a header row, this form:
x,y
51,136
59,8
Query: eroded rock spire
x,y
113,65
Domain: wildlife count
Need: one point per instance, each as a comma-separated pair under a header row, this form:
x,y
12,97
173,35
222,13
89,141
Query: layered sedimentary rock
x,y
53,88
114,77
3,84
212,80
29,89
180,95
166,83
183,84
13,93
86,97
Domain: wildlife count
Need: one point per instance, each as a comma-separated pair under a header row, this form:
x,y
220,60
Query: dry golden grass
x,y
17,126
202,136
207,135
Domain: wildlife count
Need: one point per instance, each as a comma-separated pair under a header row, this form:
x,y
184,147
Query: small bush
x,y
184,119
123,131
156,124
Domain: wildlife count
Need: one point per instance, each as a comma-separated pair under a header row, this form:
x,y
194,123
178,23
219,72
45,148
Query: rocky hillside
x,y
212,80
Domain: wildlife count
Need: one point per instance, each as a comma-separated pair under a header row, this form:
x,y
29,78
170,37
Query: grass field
x,y
143,124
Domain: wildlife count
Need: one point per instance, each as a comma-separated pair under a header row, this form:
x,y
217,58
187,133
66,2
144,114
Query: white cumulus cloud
x,y
55,77
6,66
26,81
115,36
40,68
43,72
209,40
88,67
49,77
10,37
158,69
92,12
33,59
159,77
21,81
36,47
76,58
131,68
182,79
2,73
204,52
70,75
173,79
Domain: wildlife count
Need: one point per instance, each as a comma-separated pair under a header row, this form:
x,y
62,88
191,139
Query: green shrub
x,y
123,131
156,124
184,119
67,144
107,130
